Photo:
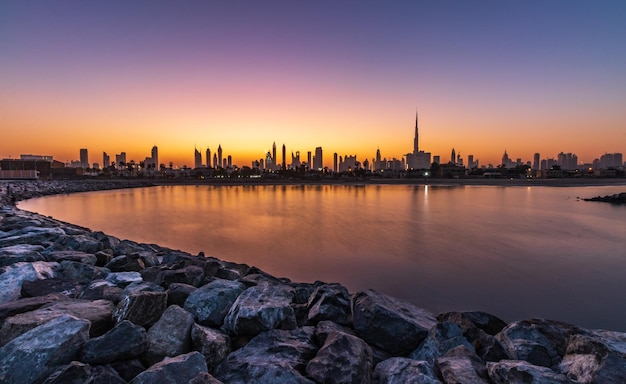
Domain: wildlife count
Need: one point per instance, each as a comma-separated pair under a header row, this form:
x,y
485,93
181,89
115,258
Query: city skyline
x,y
486,76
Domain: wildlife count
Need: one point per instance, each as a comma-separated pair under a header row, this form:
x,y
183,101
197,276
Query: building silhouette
x,y
208,157
106,160
219,156
274,158
197,158
84,158
318,162
284,157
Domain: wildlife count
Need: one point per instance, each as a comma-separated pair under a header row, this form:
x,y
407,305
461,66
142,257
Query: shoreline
x,y
150,302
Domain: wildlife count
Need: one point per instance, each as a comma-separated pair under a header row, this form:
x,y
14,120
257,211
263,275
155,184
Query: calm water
x,y
516,252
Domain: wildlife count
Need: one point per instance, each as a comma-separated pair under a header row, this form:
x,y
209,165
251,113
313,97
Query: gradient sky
x,y
525,76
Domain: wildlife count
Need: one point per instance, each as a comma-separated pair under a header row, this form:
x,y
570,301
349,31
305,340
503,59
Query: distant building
x,y
536,162
197,156
335,163
219,156
208,158
120,160
106,160
318,162
274,165
295,160
155,156
284,157
84,158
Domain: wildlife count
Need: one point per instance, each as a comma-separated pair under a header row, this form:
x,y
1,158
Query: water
x,y
515,252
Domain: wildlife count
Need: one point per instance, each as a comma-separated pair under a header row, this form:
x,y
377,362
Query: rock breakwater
x,y
618,198
82,306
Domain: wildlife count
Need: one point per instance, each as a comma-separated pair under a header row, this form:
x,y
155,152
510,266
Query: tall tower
x,y
416,140
219,155
319,161
274,158
208,157
453,157
197,158
155,156
84,158
284,157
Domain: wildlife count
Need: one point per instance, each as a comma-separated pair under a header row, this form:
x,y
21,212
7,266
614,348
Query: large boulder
x,y
276,356
517,371
142,308
177,293
441,338
170,335
392,325
69,288
124,342
78,373
210,303
32,235
596,357
213,344
27,304
33,356
461,365
123,279
12,277
81,242
81,272
177,370
342,359
101,289
479,329
20,253
77,256
261,308
329,302
402,370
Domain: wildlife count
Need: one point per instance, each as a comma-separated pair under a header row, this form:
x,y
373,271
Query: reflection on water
x,y
515,252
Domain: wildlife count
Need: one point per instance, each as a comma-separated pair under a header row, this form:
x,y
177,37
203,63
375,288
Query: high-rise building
x,y
215,163
335,169
308,160
536,161
318,162
84,158
106,160
416,139
453,156
197,157
155,156
208,157
120,160
219,156
229,162
274,158
284,157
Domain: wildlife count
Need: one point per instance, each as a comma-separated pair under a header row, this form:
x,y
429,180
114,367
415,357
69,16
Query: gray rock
x,y
98,313
329,302
461,365
204,378
33,356
210,303
72,373
12,276
33,236
517,371
77,256
402,370
126,264
70,288
126,247
479,329
177,293
289,350
124,342
81,272
20,253
190,275
342,359
596,357
28,304
141,286
213,344
537,341
441,338
390,324
177,370
122,279
170,335
143,308
128,369
326,328
82,242
102,289
261,308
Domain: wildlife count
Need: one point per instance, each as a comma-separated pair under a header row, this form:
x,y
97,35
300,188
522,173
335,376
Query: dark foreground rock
x,y
618,198
78,306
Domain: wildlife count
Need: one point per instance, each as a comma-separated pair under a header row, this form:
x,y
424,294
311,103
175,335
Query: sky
x,y
349,76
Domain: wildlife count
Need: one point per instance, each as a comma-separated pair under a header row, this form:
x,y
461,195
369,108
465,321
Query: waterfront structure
x,y
536,161
417,159
106,160
84,158
274,158
295,160
318,162
154,156
453,156
197,158
208,157
335,163
120,160
284,157
219,156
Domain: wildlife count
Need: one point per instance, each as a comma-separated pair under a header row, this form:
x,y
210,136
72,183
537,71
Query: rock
x,y
402,370
124,342
392,325
28,304
82,242
143,308
122,279
33,356
190,275
20,253
170,335
177,293
204,378
128,369
261,308
290,350
180,369
213,344
537,341
342,359
210,303
491,324
596,357
126,264
441,338
77,256
32,235
98,313
80,272
102,289
329,302
141,286
103,257
69,288
126,247
517,371
12,277
72,373
326,328
461,365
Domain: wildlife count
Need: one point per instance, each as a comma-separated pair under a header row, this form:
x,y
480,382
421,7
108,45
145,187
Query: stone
x,y
170,335
392,325
213,344
126,247
517,371
128,369
77,256
103,257
537,341
102,289
598,356
12,277
97,313
441,338
126,263
141,286
261,308
82,242
402,370
190,275
32,235
177,293
479,329
326,328
143,308
28,304
290,350
461,365
20,253
210,303
124,342
204,378
122,279
342,359
490,324
81,272
33,356
329,302
180,369
72,373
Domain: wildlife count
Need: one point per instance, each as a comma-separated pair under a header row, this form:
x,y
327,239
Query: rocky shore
x,y
618,198
78,306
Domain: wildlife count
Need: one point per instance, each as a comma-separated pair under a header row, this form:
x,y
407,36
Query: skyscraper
x,y
219,156
318,162
274,158
197,156
155,156
208,157
453,157
284,157
335,169
416,139
106,160
536,162
84,158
